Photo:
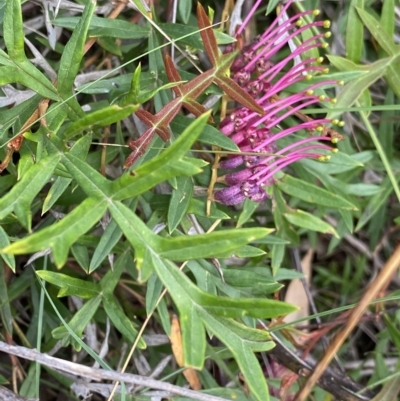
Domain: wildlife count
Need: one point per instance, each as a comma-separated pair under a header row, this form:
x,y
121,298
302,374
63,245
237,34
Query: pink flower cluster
x,y
256,136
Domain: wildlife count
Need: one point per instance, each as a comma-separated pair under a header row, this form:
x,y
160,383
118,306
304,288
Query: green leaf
x,y
384,39
249,208
112,277
198,208
312,194
179,203
25,162
120,320
168,164
353,90
310,222
183,290
81,255
340,163
144,241
390,390
141,238
383,33
392,76
23,71
279,208
73,52
271,240
184,9
70,285
277,255
20,197
153,292
209,134
5,309
109,239
13,30
57,189
345,65
388,16
4,242
26,74
306,36
100,118
375,203
78,323
336,186
105,27
122,82
354,32
393,332
208,245
241,340
80,150
61,235
242,350
271,6
192,333
91,181
386,131
246,280
361,189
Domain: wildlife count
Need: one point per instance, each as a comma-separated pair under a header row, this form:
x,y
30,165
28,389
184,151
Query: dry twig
x,y
101,374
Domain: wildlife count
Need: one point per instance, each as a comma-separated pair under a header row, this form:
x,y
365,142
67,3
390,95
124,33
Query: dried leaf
x,y
176,344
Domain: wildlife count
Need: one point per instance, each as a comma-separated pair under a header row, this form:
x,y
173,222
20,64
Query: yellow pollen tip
x,y
335,150
325,45
341,124
322,98
328,34
327,157
299,23
340,83
325,70
335,121
319,129
309,92
334,140
316,12
327,24
321,158
333,100
308,77
320,60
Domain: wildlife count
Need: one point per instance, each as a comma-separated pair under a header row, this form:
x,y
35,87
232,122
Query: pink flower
x,y
266,81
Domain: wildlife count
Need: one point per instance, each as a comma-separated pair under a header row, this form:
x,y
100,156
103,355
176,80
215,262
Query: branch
x,y
8,395
100,374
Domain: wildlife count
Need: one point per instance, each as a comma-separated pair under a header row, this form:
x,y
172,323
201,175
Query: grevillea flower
x,y
268,81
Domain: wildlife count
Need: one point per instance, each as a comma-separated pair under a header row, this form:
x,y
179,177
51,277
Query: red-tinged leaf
x,y
146,117
139,147
163,133
237,93
166,114
159,122
172,74
131,158
195,108
195,87
209,40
